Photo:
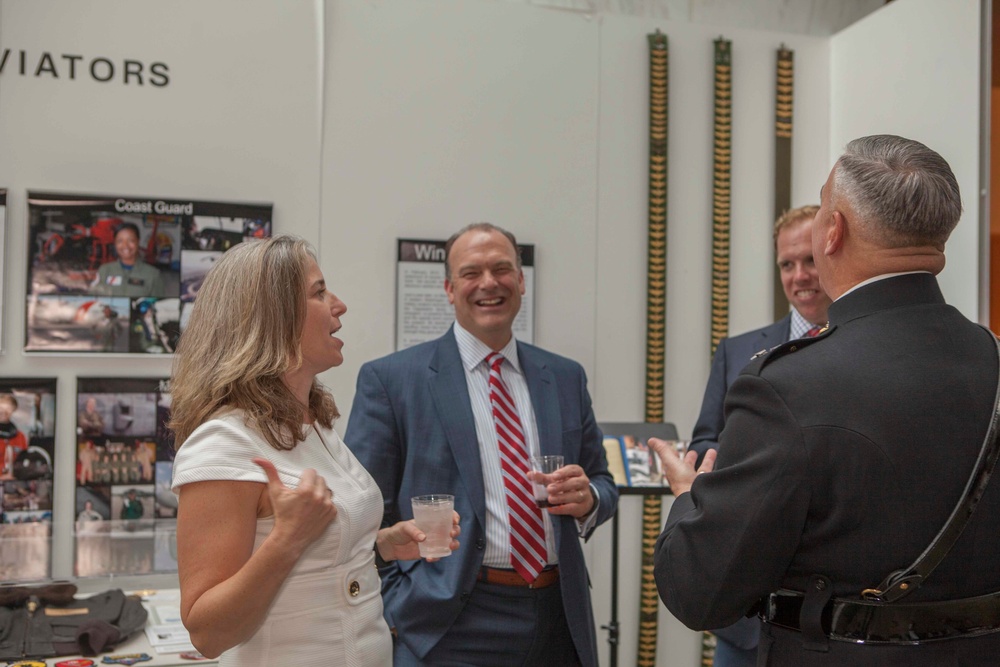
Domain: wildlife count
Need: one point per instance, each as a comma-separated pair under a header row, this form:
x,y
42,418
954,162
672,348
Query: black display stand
x,y
643,430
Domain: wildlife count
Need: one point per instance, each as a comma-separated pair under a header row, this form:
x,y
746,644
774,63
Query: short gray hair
x,y
903,192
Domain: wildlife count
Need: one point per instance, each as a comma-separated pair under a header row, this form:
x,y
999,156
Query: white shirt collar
x,y
798,326
473,351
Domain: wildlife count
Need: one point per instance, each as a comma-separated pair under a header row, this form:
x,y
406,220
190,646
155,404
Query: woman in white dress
x,y
276,519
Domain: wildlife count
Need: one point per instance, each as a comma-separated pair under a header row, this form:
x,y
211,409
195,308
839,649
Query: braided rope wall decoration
x,y
721,189
784,90
656,310
721,204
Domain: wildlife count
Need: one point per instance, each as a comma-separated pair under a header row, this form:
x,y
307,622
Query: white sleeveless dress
x,y
329,610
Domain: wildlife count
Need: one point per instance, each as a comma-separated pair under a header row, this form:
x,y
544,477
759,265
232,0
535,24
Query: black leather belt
x,y
872,622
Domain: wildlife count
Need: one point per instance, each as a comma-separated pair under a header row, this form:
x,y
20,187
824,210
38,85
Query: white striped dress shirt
x,y
798,326
477,374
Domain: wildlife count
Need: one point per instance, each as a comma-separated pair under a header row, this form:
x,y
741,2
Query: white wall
x,y
462,112
535,119
239,121
912,68
618,386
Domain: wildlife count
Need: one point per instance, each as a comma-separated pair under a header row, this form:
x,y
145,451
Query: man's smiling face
x,y
485,285
799,277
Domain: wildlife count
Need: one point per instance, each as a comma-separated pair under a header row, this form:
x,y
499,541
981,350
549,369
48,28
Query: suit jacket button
x,y
464,596
480,544
354,589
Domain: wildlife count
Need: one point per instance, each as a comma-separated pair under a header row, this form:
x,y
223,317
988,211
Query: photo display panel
x,y
119,274
27,453
126,514
3,258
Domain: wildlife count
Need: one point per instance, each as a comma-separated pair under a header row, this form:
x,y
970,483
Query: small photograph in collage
x,y
27,454
124,504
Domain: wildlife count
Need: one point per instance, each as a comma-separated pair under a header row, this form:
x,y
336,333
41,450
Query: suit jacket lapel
x,y
782,329
544,400
772,336
775,334
545,403
450,394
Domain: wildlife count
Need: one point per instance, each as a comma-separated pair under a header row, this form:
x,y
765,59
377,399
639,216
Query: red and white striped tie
x,y
528,553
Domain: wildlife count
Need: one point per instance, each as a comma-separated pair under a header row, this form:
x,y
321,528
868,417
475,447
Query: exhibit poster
x,y
126,514
632,462
3,261
27,452
119,274
422,309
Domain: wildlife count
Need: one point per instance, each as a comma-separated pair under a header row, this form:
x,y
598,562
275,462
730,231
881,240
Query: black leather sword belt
x,y
873,622
878,616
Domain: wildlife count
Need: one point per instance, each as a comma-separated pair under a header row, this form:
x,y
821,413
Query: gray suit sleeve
x,y
594,461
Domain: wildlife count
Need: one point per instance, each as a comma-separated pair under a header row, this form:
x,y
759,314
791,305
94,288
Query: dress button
x,y
354,589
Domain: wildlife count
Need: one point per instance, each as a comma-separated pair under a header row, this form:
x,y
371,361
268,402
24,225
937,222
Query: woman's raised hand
x,y
300,514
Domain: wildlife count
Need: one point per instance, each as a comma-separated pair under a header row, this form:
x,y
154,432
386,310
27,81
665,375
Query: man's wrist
x,y
380,562
593,501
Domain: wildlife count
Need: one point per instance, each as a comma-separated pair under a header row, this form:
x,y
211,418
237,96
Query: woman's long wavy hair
x,y
243,337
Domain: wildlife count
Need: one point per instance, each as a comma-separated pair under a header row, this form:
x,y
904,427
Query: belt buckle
x,y
536,583
770,609
872,595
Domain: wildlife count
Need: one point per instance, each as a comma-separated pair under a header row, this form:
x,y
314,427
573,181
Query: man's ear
x,y
449,291
836,233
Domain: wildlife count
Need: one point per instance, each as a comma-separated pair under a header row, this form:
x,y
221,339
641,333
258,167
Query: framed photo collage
x,y
119,274
105,274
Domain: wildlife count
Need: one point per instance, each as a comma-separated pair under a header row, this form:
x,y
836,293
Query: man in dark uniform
x,y
736,645
844,455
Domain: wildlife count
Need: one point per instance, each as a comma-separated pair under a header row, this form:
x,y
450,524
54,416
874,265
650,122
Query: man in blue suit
x,y
425,421
736,645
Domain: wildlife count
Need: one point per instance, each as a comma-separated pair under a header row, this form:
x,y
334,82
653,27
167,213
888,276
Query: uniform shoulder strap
x,y
905,581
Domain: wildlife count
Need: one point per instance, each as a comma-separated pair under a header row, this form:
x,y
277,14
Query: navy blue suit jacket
x,y
412,427
731,357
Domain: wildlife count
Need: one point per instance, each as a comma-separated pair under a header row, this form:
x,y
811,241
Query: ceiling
x,y
810,17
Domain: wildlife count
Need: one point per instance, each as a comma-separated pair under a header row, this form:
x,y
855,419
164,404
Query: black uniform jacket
x,y
843,455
